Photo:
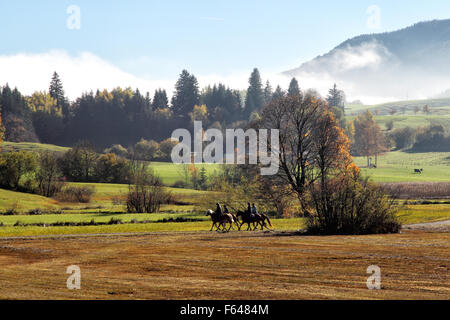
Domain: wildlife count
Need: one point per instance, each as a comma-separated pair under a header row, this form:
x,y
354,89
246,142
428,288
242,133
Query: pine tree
x,y
160,100
203,178
56,91
186,94
254,100
336,98
268,92
294,89
1,128
278,94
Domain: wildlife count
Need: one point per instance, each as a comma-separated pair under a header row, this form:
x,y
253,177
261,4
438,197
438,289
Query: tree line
x,y
125,116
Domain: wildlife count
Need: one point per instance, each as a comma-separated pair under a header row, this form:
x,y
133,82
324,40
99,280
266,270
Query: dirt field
x,y
202,265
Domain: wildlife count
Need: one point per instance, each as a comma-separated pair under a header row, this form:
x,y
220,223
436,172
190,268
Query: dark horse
x,y
255,220
220,220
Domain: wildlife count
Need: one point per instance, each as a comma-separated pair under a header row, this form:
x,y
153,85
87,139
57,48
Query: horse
x,y
222,220
256,220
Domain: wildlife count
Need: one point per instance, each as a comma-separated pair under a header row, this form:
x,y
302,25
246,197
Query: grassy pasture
x,y
436,105
167,171
399,166
202,265
102,200
30,146
8,230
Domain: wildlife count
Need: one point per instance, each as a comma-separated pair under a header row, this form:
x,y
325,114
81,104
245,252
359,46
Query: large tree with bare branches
x,y
312,145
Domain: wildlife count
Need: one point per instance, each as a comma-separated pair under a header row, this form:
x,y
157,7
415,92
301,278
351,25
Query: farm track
x,y
437,226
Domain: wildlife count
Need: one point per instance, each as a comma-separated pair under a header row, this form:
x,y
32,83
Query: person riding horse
x,y
251,216
255,210
219,209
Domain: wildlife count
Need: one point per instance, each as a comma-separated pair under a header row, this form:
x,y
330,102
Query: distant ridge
x,y
414,60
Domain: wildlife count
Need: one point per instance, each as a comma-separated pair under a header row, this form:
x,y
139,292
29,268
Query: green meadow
x,y
398,166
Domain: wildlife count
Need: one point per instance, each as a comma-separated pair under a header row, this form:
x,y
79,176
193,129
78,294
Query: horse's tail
x,y
268,220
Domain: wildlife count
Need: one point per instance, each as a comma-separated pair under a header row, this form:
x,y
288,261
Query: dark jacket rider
x,y
218,209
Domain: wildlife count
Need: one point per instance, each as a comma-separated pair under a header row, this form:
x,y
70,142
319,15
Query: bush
x,y
14,166
48,176
78,164
110,169
179,184
165,149
349,205
118,150
147,194
76,194
403,138
146,150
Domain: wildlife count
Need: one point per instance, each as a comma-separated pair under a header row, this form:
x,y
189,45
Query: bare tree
x,y
311,142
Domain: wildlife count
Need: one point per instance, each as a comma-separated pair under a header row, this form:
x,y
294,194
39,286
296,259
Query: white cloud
x,y
366,73
85,72
81,73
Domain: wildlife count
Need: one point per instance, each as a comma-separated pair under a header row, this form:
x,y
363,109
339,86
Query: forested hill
x,y
415,59
425,43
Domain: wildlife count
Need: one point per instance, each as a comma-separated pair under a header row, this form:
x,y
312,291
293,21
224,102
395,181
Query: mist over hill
x,y
412,63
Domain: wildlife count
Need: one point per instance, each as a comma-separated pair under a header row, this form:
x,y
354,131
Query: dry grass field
x,y
203,265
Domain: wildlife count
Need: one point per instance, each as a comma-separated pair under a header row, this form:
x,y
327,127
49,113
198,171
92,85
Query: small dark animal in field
x,y
418,170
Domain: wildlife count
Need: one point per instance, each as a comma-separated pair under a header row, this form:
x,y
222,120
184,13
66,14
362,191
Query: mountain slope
x,y
413,62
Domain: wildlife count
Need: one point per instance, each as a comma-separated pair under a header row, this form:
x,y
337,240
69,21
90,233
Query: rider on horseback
x,y
219,210
255,210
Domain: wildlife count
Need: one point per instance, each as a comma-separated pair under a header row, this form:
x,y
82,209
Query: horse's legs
x,y
212,227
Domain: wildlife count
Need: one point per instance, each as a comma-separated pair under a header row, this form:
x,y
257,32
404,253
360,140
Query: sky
x,y
146,44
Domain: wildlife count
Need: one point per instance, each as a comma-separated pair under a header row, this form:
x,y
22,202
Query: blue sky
x,y
156,39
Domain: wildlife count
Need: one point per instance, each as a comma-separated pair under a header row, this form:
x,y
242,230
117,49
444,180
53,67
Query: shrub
x,y
110,169
349,205
147,194
165,149
78,164
14,166
179,184
118,150
403,138
48,175
146,150
76,194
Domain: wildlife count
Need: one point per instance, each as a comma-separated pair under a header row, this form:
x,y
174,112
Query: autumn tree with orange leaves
x,y
315,162
312,145
369,139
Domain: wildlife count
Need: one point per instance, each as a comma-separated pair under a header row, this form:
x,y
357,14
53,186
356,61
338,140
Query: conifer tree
x,y
56,91
186,94
268,92
254,100
160,100
294,89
